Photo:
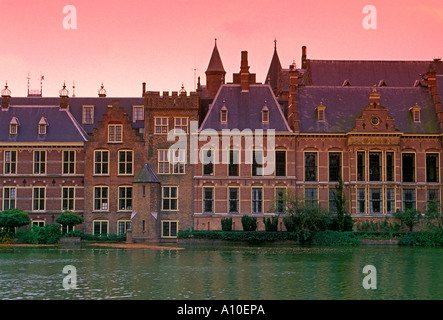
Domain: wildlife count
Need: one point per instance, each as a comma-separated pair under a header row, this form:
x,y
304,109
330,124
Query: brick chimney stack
x,y
304,57
244,71
6,97
292,103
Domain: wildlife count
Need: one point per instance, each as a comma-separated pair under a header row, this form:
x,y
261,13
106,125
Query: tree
x,y
410,217
343,220
69,219
13,218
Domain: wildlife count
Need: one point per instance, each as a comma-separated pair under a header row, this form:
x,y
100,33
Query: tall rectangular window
x,y
310,166
178,161
100,226
101,198
433,199
208,162
170,198
68,162
311,196
101,162
280,163
39,162
375,200
9,198
123,226
138,113
361,200
361,166
375,166
10,166
169,229
68,198
125,162
234,200
390,200
163,161
124,198
233,163
208,200
332,205
38,198
409,199
88,115
257,164
115,133
389,166
408,167
161,125
280,200
257,200
334,166
432,167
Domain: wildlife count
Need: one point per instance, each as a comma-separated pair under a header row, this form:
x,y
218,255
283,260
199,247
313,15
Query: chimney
x,y
244,71
64,97
293,120
143,89
304,57
6,97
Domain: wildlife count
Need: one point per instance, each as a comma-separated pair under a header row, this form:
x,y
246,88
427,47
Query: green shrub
x,y
249,223
74,233
13,218
69,219
344,222
335,238
271,224
423,239
226,224
409,218
48,234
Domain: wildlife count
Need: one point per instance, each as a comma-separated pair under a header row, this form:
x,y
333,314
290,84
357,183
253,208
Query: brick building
x,y
376,124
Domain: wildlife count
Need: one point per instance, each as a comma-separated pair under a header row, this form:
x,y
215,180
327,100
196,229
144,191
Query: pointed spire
x,y
274,71
215,63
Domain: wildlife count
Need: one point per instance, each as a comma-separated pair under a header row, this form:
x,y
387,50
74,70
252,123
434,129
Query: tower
x,y
215,73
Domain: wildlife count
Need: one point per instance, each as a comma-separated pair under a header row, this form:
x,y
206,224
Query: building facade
x,y
240,147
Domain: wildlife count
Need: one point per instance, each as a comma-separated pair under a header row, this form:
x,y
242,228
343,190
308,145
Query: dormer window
x,y
321,112
265,113
42,124
416,113
224,113
346,83
13,125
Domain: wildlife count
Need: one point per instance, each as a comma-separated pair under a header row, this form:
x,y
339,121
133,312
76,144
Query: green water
x,y
222,272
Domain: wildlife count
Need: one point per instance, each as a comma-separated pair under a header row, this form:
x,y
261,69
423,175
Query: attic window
x,y
265,113
321,112
382,83
224,113
346,83
416,113
13,125
42,124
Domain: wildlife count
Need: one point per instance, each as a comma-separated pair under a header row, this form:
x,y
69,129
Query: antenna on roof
x,y
73,89
29,78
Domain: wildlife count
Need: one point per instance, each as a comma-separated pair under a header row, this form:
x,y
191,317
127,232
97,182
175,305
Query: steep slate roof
x,y
367,72
345,104
146,175
274,70
215,63
76,107
244,109
62,126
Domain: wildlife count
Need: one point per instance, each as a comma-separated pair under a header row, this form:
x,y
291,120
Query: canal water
x,y
244,272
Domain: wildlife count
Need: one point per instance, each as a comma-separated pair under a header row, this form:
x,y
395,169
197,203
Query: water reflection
x,y
222,272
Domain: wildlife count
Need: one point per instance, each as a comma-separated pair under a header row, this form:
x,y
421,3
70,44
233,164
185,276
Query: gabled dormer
x,y
321,112
42,125
265,113
375,117
13,125
224,113
416,113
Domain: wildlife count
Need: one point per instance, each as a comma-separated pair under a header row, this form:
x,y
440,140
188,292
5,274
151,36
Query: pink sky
x,y
125,43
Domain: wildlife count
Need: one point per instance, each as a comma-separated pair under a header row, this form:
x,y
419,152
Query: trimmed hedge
x,y
335,238
430,239
249,236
